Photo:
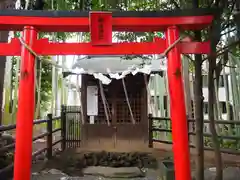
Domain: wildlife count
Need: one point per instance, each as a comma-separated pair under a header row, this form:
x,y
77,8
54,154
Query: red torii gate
x,y
101,25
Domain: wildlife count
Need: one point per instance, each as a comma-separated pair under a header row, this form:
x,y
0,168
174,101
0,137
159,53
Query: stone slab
x,y
122,172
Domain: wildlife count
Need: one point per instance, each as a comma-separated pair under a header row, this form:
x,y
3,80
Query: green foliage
x,y
46,85
224,143
45,81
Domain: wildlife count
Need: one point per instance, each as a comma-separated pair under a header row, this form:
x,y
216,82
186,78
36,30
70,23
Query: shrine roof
x,y
106,68
117,64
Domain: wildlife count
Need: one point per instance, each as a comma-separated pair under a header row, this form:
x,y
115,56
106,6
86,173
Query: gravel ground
x,y
150,175
231,173
60,165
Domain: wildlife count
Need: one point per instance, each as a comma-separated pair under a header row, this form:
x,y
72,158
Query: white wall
x,y
221,93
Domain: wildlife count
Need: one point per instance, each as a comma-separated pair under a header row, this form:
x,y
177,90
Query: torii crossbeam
x,y
101,25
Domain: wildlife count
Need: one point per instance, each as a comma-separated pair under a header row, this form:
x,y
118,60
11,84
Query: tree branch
x,y
230,13
187,56
229,66
175,4
223,50
234,29
210,3
217,3
220,65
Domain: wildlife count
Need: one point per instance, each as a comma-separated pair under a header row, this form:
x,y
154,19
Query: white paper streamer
x,y
107,74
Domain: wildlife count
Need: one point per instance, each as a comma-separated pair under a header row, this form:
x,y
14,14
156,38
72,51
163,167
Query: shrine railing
x,y
51,126
160,130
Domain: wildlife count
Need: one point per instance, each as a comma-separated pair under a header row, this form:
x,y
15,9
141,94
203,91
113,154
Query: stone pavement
x,y
109,173
229,173
105,173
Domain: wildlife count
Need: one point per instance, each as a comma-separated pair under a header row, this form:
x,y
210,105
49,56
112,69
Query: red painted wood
x,y
177,109
25,114
101,28
81,24
43,47
194,47
12,48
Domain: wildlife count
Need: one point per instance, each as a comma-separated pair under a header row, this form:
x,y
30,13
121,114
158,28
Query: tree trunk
x,y
199,115
2,70
4,4
226,86
187,90
215,35
198,107
211,97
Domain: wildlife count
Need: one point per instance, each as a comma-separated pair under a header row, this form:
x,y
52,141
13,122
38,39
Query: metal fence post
x,y
63,126
150,132
49,136
188,127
